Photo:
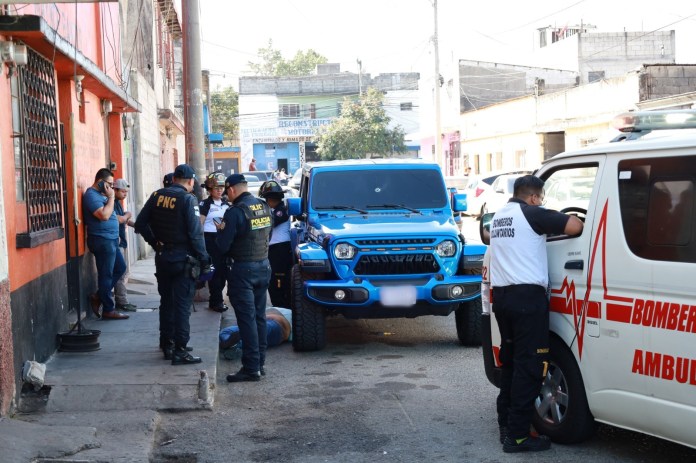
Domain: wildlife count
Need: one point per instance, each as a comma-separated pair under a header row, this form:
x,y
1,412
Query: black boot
x,y
181,356
243,375
168,350
167,346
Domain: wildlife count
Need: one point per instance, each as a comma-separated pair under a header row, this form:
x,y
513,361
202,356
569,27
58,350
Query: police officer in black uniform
x,y
279,248
519,278
169,223
243,237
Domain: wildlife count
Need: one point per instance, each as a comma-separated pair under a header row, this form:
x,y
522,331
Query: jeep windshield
x,y
410,189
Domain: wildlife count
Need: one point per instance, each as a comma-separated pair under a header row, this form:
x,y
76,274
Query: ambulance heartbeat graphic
x,y
565,301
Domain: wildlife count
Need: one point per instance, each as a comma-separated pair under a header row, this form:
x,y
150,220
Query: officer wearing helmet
x,y
279,248
243,238
212,210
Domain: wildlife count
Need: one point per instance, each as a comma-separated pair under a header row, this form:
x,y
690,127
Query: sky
x,y
396,35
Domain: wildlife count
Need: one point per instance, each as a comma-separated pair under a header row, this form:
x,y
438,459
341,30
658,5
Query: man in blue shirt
x,y
102,240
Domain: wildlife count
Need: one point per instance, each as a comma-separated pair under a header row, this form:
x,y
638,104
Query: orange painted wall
x,y
24,264
89,136
93,18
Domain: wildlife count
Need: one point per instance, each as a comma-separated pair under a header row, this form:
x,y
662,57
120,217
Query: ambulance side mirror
x,y
485,228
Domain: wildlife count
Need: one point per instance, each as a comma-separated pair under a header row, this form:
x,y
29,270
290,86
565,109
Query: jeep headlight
x,y
446,249
344,251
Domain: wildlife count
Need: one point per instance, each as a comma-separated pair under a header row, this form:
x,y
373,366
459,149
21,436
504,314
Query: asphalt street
x,y
400,390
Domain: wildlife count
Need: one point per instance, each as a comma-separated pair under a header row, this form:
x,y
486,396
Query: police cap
x,y
168,179
184,171
234,179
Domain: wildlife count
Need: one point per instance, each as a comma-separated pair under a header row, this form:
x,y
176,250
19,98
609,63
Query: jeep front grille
x,y
394,241
396,264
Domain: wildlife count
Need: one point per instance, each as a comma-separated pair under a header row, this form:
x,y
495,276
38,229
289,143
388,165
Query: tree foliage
x,y
272,64
224,113
362,131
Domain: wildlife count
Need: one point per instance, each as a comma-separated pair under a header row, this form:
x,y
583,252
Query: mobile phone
x,y
217,220
101,186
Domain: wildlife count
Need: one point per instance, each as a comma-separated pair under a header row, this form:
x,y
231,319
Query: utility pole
x,y
210,158
359,76
438,129
193,95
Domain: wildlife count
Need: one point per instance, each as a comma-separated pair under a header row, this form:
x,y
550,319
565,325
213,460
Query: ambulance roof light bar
x,y
640,121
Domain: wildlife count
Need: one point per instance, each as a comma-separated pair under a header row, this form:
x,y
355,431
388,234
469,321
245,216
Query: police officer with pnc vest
x,y
170,223
519,277
243,238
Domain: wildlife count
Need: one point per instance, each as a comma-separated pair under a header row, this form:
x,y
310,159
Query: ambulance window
x,y
570,187
657,207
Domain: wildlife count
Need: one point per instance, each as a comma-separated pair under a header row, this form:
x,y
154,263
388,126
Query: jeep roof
x,y
368,162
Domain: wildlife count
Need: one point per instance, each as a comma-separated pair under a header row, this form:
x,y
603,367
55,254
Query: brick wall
x,y
148,133
7,373
617,53
660,81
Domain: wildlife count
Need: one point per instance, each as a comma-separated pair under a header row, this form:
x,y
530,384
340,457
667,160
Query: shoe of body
x,y
127,307
262,371
113,315
530,444
231,341
243,375
95,304
181,356
169,350
219,308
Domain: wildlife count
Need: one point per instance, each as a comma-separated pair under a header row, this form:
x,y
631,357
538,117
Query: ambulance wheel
x,y
308,319
562,412
468,319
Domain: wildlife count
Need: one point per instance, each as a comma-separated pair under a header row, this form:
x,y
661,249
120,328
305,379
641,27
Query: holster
x,y
194,267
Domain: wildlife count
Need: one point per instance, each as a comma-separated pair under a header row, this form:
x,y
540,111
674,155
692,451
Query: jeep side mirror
x,y
459,202
485,227
295,206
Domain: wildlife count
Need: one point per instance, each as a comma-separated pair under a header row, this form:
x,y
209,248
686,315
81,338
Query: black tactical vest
x,y
253,245
168,222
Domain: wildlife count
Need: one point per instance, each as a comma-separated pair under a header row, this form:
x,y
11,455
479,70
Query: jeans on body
x,y
247,285
110,267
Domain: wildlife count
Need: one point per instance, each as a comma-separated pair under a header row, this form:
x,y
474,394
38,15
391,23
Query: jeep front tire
x,y
308,319
468,320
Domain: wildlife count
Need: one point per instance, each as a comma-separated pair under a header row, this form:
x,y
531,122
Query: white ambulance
x,y
623,293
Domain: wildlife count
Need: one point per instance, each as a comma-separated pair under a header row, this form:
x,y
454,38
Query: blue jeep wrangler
x,y
377,239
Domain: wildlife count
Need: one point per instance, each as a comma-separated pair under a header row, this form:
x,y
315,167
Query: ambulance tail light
x,y
639,121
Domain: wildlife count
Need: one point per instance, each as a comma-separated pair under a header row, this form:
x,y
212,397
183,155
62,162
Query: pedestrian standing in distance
x,y
279,248
121,188
212,210
252,165
102,240
243,239
170,223
519,278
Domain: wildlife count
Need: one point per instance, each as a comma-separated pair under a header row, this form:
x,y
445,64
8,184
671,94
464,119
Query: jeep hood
x,y
376,224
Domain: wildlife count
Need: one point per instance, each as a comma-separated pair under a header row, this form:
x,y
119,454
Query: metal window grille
x,y
39,144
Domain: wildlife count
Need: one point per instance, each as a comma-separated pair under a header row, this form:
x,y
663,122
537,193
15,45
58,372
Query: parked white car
x,y
479,188
500,192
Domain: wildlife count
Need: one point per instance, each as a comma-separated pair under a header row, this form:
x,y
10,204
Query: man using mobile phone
x,y
102,240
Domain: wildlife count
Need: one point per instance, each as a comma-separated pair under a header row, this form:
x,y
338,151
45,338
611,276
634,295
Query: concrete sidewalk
x,y
127,377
